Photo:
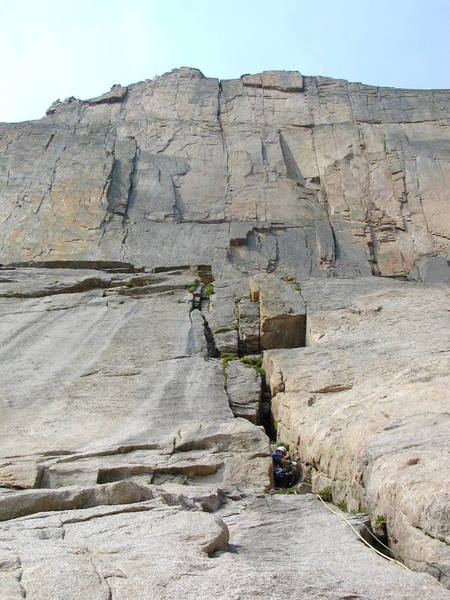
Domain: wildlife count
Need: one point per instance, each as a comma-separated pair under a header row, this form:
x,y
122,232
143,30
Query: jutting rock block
x,y
283,81
282,313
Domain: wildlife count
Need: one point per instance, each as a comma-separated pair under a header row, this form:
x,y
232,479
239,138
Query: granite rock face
x,y
159,548
111,383
119,450
365,405
160,242
51,557
324,176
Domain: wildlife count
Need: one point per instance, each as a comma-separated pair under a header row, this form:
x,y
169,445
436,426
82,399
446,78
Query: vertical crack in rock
x,y
63,529
266,415
404,203
292,169
129,201
272,263
264,157
23,591
210,341
419,196
50,140
375,227
120,186
329,260
122,110
123,173
326,244
228,201
69,133
107,184
102,580
109,178
177,201
123,243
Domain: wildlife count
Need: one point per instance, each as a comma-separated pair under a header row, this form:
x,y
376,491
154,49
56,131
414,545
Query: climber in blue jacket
x,y
284,470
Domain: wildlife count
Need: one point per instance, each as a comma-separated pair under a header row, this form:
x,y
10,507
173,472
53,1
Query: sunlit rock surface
x,y
326,176
108,383
160,242
366,406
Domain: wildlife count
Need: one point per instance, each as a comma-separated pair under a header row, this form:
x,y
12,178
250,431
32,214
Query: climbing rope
x,y
361,537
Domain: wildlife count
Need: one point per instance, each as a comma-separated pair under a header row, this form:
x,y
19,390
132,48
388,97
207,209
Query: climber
x,y
286,472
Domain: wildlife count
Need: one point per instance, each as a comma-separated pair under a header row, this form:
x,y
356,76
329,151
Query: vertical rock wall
x,y
324,176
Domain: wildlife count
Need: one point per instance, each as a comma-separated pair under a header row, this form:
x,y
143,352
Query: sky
x,y
55,49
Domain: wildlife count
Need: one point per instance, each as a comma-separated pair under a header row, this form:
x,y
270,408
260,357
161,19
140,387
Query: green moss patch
x,y
194,286
326,494
226,358
380,522
233,327
253,363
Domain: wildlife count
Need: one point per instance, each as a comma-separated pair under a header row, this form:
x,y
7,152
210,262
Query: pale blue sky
x,y
53,49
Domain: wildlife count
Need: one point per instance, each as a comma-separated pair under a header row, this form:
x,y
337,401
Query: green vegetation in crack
x,y
380,522
226,358
379,526
254,363
194,286
226,328
209,290
326,494
292,279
